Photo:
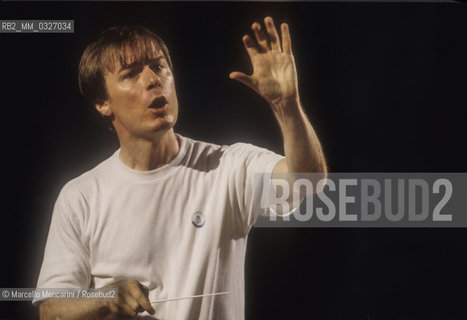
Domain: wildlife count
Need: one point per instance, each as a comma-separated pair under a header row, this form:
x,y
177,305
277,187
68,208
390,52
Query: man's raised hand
x,y
274,74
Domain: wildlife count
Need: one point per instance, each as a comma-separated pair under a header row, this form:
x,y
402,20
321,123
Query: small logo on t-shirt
x,y
198,219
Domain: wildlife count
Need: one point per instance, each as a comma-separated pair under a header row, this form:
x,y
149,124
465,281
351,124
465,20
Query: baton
x,y
192,297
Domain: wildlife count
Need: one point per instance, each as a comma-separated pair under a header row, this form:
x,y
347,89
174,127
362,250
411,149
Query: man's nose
x,y
151,78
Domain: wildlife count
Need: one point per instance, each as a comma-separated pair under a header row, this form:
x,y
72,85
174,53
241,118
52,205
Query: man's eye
x,y
157,67
131,74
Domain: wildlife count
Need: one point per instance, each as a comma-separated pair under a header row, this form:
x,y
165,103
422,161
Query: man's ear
x,y
104,108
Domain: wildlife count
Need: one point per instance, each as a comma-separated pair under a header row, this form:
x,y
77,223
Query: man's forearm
x,y
302,148
73,310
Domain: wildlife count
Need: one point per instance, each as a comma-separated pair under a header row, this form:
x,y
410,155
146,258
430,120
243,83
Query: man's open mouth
x,y
158,102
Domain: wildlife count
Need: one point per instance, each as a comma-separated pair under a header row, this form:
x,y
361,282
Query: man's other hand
x,y
132,299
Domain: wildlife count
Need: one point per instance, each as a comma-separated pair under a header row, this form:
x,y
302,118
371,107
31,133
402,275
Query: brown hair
x,y
122,44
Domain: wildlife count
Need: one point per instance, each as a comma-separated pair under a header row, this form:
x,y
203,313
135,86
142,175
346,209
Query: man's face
x,y
141,98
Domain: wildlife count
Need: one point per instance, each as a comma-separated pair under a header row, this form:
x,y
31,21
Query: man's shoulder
x,y
197,150
213,154
202,147
197,147
89,179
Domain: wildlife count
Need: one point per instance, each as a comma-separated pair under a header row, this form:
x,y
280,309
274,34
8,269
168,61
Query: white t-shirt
x,y
180,229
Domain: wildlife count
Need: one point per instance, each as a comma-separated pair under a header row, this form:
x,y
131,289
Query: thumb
x,y
243,78
144,289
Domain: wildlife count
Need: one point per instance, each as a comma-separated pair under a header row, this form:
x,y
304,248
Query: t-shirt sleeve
x,y
250,165
66,258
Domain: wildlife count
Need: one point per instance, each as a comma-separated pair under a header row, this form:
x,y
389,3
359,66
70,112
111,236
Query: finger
x,y
272,33
261,36
286,44
146,295
114,308
131,303
250,46
142,299
243,78
127,311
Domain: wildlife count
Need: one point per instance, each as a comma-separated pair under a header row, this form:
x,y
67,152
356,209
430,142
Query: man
x,y
167,216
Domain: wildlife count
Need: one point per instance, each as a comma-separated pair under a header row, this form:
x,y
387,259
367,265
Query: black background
x,y
384,85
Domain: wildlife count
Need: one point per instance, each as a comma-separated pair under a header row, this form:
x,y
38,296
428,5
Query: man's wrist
x,y
287,112
100,309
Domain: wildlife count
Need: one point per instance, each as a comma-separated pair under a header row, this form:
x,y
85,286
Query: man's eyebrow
x,y
138,63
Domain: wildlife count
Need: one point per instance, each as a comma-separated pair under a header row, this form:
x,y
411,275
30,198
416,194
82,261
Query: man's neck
x,y
144,155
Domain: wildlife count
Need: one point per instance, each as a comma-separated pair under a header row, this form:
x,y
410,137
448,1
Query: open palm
x,y
274,74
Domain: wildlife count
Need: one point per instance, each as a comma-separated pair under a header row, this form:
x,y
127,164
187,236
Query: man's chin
x,y
163,124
